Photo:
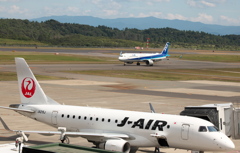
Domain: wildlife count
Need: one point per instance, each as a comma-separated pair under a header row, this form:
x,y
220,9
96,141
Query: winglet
x,y
5,125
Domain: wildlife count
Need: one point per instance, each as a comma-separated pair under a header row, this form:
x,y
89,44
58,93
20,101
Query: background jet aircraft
x,y
111,129
148,58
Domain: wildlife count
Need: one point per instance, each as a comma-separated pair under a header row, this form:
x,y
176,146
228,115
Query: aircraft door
x,y
185,131
54,117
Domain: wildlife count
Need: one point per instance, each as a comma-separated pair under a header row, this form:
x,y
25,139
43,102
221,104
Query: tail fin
x,y
165,49
30,90
121,54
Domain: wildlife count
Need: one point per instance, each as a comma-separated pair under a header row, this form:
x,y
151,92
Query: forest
x,y
54,33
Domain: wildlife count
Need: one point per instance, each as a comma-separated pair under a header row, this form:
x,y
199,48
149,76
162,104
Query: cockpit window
x,y
212,129
202,129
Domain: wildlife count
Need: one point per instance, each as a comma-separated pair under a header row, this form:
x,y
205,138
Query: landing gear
x,y
65,140
138,63
63,137
156,150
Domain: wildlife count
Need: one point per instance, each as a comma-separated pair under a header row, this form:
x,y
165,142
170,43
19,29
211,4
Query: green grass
x,y
171,75
12,76
210,57
20,42
45,58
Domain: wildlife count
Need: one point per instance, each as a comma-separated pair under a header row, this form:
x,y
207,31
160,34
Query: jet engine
x,y
149,62
119,145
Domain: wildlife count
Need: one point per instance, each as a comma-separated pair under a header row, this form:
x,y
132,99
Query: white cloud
x,y
204,3
154,14
229,21
73,9
208,4
110,12
16,10
175,16
204,18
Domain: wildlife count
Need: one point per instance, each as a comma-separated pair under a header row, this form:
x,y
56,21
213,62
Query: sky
x,y
220,12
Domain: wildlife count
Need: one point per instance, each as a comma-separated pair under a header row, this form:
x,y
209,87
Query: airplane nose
x,y
224,143
229,145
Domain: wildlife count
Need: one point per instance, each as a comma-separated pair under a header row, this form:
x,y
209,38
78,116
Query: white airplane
x,y
148,58
110,129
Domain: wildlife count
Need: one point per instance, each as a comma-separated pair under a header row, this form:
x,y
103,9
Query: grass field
x,y
209,57
46,58
7,57
12,76
20,42
232,75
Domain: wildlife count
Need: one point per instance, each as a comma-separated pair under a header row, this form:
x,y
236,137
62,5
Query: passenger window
x,y
96,119
62,115
109,120
67,116
73,116
202,129
85,118
79,117
90,118
103,119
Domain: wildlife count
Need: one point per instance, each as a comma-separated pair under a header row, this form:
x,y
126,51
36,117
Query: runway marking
x,y
199,92
78,82
213,82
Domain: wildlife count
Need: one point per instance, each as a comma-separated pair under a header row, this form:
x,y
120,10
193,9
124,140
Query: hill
x,y
145,23
54,33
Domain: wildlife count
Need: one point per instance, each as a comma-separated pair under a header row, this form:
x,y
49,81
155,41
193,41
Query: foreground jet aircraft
x,y
111,129
148,58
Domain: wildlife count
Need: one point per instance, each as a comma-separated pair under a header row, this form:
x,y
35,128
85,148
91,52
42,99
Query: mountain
x,y
145,23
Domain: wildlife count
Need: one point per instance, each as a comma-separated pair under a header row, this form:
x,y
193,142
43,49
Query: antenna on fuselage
x,y
151,108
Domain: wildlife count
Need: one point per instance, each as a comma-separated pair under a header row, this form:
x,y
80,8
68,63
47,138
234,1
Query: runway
x,y
169,97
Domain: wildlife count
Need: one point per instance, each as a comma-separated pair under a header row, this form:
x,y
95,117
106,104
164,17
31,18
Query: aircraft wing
x,y
17,109
82,134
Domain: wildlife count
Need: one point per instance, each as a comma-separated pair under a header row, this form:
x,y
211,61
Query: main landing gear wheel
x,y
65,140
138,63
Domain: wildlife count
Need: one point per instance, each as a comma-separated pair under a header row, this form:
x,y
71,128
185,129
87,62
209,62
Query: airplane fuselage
x,y
140,57
144,129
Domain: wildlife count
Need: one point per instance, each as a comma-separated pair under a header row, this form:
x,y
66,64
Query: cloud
x,y
208,4
73,9
229,21
154,14
204,3
110,12
14,9
175,16
204,18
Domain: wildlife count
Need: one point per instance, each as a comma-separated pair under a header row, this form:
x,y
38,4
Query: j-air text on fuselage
x,y
148,58
110,129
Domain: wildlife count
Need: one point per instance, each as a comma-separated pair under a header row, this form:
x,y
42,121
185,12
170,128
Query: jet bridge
x,y
224,116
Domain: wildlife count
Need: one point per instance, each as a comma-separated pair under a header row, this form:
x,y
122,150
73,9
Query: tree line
x,y
55,33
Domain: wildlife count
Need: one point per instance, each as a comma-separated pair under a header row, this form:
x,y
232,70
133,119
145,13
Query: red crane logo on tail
x,y
28,87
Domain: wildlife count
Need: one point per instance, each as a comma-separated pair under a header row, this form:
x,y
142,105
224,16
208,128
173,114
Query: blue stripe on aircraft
x,y
148,57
